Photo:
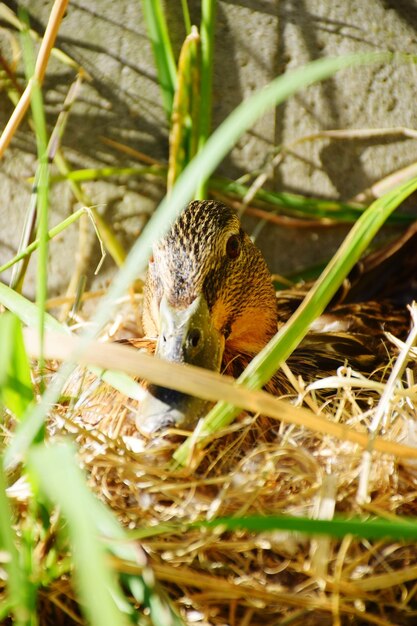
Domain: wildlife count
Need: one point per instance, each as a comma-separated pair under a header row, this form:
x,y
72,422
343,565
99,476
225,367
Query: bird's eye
x,y
233,247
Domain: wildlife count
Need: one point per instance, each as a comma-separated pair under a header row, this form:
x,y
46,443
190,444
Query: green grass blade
x,y
93,530
28,232
300,206
208,18
354,245
42,178
16,391
186,16
267,362
25,434
18,583
27,311
55,470
98,173
162,49
51,234
295,205
399,529
120,381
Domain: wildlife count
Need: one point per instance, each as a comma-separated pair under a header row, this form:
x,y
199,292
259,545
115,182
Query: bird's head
x,y
208,289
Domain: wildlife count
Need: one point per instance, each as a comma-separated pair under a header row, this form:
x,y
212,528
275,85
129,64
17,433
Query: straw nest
x,y
258,466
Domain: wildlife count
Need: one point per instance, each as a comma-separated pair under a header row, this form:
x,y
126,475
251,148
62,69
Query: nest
x,y
255,466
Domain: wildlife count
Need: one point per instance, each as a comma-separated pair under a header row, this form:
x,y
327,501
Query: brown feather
x,y
192,259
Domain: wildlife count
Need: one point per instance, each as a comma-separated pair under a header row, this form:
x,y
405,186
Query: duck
x,y
210,301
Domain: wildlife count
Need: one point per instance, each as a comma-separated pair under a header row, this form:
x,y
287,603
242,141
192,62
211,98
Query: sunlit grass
x,y
114,581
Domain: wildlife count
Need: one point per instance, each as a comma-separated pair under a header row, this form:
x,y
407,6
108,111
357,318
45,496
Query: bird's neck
x,y
251,332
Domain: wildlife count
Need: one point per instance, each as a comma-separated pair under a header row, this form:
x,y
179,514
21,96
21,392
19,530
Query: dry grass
x,y
261,466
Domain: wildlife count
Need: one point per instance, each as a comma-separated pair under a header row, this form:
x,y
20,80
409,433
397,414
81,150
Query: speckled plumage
x,y
192,258
193,262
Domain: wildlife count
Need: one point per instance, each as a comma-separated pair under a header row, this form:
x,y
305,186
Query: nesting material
x,y
260,466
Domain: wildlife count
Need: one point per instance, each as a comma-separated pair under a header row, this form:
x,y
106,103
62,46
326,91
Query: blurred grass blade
x,y
26,311
17,582
262,368
186,16
42,178
144,588
19,270
183,139
162,50
91,526
55,470
120,381
16,391
208,18
26,252
27,432
98,173
200,382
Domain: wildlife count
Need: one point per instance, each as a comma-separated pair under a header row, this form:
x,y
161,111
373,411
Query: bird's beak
x,y
186,335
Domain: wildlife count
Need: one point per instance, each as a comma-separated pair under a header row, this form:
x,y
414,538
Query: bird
x,y
209,300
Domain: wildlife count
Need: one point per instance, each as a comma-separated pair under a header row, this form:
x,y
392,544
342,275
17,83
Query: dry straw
x,y
259,465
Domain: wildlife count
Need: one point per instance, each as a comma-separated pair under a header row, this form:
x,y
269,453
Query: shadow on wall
x,y
122,102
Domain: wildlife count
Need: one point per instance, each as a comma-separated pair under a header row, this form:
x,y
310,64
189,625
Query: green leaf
x,y
16,391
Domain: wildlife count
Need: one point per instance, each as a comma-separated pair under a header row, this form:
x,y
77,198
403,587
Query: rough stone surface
x,y
255,41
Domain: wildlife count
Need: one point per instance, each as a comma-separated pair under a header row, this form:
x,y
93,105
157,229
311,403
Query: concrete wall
x,y
255,41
